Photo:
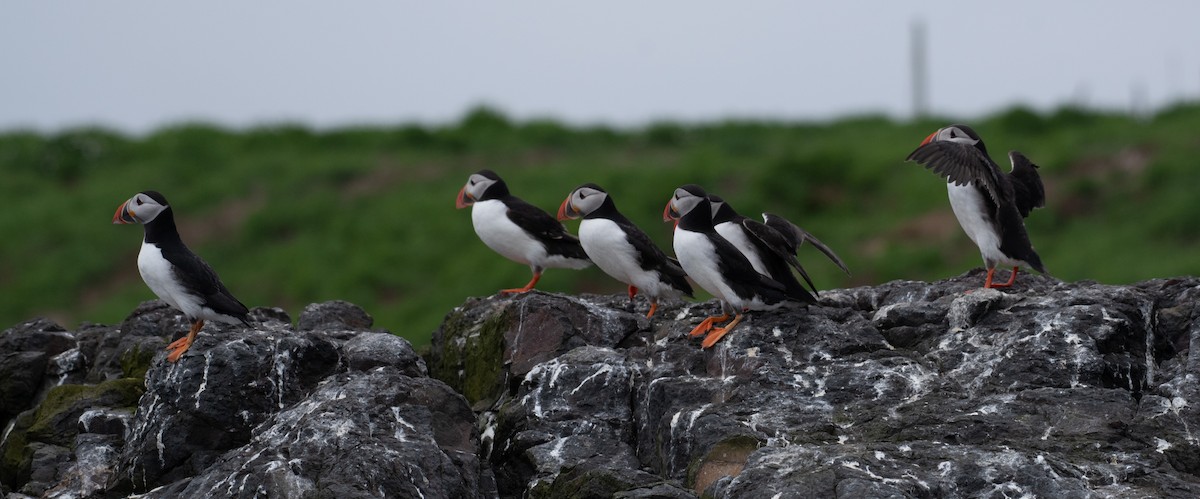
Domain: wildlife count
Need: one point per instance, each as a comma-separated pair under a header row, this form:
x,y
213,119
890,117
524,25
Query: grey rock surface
x,y
907,389
336,410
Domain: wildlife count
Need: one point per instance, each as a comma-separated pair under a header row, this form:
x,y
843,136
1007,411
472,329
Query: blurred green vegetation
x,y
289,215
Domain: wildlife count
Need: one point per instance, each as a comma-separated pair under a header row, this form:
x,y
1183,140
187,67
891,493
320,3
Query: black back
x,y
649,256
534,220
195,274
735,269
773,249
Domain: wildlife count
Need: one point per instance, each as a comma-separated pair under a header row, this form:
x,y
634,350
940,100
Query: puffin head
x,y
582,201
685,199
142,208
721,211
481,185
961,134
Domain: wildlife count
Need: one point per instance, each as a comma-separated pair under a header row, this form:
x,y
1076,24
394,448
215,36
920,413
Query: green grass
x,y
289,216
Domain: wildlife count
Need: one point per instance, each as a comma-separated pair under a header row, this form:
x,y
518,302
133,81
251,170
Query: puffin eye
x,y
139,201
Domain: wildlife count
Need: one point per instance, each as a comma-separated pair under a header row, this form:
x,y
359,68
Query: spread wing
x,y
1028,192
962,164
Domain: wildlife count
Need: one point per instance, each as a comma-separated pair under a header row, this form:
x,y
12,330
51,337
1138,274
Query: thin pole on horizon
x,y
920,80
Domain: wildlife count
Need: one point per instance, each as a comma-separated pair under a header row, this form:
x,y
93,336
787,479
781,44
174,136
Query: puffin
x,y
518,230
770,245
620,248
990,205
174,273
718,267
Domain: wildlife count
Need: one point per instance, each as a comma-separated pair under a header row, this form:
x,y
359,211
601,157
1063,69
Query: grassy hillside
x,y
289,216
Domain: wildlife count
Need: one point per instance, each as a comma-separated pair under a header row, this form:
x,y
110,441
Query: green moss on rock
x,y
472,355
136,361
56,419
15,455
574,483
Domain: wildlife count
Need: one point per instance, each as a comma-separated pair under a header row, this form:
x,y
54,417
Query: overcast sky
x,y
136,65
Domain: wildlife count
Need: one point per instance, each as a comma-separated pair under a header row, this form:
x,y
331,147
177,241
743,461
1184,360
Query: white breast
x,y
697,256
608,246
159,276
491,222
971,211
737,236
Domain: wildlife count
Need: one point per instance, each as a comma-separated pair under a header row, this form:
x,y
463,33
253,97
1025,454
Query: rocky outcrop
x,y
326,409
907,389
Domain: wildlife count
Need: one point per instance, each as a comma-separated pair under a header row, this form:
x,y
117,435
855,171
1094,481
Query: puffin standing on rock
x,y
989,204
518,230
718,267
174,273
771,247
620,248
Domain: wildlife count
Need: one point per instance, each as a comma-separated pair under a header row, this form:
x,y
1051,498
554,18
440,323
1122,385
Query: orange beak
x,y
669,213
930,137
566,211
124,215
463,200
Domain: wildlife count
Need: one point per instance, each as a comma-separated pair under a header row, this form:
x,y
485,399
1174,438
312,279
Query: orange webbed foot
x,y
716,334
653,307
528,287
987,283
178,351
178,347
707,324
177,343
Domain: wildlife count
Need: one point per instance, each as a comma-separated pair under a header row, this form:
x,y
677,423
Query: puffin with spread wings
x,y
990,205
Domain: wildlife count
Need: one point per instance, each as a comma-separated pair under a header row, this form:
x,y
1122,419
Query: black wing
x,y
1028,192
798,236
747,282
534,220
780,246
734,265
544,227
652,258
961,164
198,276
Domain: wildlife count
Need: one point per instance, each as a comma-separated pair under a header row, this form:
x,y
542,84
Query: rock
x,y
90,469
235,384
48,461
334,315
378,434
906,389
26,351
368,351
487,344
56,420
209,401
21,375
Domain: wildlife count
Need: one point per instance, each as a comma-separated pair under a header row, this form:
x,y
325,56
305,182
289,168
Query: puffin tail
x,y
1035,262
